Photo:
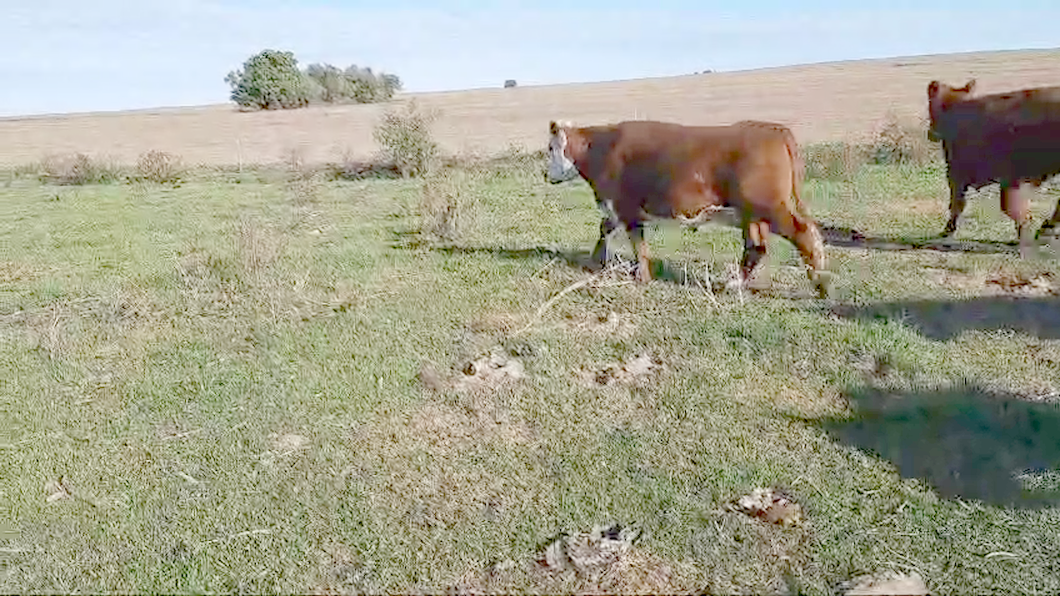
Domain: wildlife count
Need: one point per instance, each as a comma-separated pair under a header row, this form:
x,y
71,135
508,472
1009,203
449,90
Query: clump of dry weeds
x,y
446,204
902,140
302,181
160,167
78,169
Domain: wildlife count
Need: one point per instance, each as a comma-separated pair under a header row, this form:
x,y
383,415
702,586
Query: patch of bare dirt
x,y
1020,283
956,279
1026,284
57,490
486,372
771,505
287,442
611,324
14,272
443,427
604,560
886,583
636,370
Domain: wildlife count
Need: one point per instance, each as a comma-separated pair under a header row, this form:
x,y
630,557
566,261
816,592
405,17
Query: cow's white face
x,y
560,165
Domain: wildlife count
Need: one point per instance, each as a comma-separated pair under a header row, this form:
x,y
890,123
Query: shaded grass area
x,y
221,387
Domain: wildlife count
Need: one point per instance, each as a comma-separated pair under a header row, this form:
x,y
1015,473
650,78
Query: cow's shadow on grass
x,y
963,441
663,270
851,238
942,320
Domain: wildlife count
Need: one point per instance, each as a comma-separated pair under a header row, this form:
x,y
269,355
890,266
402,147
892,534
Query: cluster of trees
x,y
271,80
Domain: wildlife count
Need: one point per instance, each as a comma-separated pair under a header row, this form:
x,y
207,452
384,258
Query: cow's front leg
x,y
640,248
602,252
957,203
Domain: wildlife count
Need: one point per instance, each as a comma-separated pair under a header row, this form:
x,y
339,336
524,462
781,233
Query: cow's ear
x,y
969,86
933,89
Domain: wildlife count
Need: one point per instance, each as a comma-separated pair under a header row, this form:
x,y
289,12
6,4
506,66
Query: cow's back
x,y
1004,136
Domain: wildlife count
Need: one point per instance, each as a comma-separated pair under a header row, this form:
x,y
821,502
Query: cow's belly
x,y
691,207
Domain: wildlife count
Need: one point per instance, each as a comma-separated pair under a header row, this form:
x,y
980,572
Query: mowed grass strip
x,y
263,387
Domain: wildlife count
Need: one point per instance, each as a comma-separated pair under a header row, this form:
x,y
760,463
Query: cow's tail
x,y
818,274
798,172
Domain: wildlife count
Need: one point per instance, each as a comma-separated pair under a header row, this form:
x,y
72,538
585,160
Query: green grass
x,y
225,377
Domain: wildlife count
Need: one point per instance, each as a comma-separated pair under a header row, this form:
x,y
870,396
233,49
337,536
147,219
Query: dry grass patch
x,y
12,272
78,169
303,181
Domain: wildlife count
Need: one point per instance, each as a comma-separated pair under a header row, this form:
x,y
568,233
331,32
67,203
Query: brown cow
x,y
1010,138
643,171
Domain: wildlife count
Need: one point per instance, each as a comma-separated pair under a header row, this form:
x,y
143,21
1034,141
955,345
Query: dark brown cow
x,y
1010,138
643,171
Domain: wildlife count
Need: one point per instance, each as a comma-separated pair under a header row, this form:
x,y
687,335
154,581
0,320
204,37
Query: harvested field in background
x,y
822,102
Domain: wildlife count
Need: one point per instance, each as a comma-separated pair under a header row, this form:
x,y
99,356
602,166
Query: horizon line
x,y
403,94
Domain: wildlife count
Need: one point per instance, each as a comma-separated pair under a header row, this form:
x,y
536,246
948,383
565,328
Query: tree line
x,y
272,80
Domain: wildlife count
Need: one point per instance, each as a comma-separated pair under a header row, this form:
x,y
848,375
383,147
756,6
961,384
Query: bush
x,y
77,169
834,161
270,80
160,167
509,83
446,205
405,140
901,141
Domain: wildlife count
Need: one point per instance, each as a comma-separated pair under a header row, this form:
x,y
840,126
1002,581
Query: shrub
x,y
160,167
903,141
77,169
405,140
445,204
509,83
270,80
833,161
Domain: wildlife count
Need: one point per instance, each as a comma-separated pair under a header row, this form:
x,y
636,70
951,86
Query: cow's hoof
x,y
822,281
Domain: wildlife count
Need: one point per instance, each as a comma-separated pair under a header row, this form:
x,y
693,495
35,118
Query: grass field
x,y
256,383
259,379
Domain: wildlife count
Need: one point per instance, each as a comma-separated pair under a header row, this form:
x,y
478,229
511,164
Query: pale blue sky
x,y
81,55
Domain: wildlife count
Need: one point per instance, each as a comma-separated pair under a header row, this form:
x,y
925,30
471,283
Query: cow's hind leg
x,y
804,233
1014,205
755,238
635,230
1049,226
